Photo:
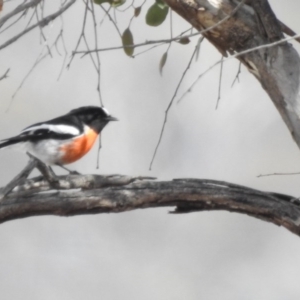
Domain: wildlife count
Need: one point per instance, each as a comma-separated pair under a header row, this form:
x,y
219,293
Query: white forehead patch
x,y
106,111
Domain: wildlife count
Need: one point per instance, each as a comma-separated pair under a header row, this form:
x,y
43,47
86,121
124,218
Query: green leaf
x,y
156,15
163,62
127,40
184,41
137,11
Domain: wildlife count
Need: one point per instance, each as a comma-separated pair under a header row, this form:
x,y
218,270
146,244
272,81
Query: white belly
x,y
45,150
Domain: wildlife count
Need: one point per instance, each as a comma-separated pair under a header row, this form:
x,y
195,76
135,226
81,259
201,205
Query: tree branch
x,y
5,75
45,21
117,193
254,25
21,8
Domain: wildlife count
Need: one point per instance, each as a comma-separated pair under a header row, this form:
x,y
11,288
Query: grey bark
x,y
254,24
116,193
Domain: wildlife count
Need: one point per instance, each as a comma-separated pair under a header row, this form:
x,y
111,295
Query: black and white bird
x,y
62,140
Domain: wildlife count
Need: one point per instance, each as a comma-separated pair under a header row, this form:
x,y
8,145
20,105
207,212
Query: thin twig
x,y
98,68
196,81
237,75
22,7
80,36
40,57
41,23
30,19
169,106
166,40
61,37
144,51
44,38
235,56
199,43
220,83
14,22
98,152
287,30
278,174
147,43
5,74
111,19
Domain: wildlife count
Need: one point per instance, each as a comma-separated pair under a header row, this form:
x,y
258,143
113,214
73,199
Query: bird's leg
x,y
70,171
46,171
48,174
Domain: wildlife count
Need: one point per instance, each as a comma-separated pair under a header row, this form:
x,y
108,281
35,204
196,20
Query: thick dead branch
x,y
254,24
117,193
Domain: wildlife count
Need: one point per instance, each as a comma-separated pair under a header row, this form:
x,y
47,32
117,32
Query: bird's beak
x,y
111,118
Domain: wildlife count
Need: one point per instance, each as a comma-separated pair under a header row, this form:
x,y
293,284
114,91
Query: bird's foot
x,y
71,172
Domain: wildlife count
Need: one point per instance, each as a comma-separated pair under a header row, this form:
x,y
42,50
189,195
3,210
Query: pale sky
x,y
150,254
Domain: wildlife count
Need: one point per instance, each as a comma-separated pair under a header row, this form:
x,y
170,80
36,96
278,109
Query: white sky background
x,y
149,254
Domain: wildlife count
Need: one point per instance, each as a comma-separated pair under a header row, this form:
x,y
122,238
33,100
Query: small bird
x,y
62,140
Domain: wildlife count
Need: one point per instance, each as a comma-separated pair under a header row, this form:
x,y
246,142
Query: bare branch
x,y
236,78
98,67
41,23
61,37
115,194
220,83
237,55
81,36
4,75
278,174
169,106
22,7
111,19
166,40
38,60
14,22
199,77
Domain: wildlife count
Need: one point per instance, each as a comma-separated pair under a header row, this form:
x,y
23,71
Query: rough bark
x,y
116,193
253,24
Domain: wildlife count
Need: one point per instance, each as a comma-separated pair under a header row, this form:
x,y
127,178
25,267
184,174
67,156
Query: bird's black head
x,y
94,116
